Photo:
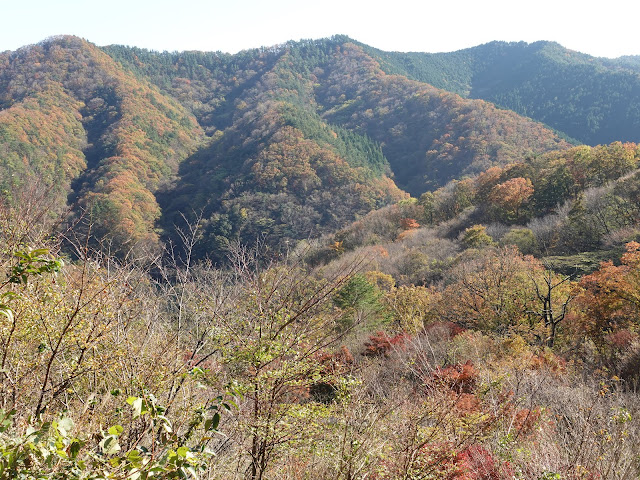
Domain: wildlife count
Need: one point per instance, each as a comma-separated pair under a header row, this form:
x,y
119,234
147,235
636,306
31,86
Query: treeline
x,y
285,143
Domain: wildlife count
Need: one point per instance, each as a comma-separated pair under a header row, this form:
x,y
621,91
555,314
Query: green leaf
x,y
6,419
182,452
109,445
74,448
171,455
212,423
116,430
134,456
215,421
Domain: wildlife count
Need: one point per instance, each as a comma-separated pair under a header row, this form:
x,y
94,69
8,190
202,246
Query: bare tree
x,y
553,303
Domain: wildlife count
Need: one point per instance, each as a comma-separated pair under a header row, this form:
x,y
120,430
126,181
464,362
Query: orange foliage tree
x,y
510,196
610,296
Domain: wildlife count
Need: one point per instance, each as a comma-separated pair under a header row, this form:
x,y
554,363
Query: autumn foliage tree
x,y
499,290
610,296
509,197
489,290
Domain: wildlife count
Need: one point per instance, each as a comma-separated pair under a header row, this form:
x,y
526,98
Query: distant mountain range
x,y
287,142
593,100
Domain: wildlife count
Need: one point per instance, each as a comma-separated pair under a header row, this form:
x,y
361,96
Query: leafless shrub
x,y
629,367
497,230
620,236
546,229
586,431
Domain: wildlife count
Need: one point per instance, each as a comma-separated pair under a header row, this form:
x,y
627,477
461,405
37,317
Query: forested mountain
x,y
109,141
594,100
314,97
287,142
74,120
295,263
419,127
429,136
326,92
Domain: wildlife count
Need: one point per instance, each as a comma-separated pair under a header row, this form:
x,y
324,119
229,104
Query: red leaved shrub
x,y
332,365
548,361
477,463
525,420
467,403
382,344
441,461
337,363
450,328
192,360
461,378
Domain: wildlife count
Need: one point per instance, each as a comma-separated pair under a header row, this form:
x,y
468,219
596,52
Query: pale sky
x,y
602,28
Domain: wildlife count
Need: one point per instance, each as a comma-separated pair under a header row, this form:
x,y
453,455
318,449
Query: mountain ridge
x,y
285,142
539,80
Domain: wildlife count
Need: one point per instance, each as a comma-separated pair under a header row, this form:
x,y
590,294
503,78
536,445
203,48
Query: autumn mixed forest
x,y
319,260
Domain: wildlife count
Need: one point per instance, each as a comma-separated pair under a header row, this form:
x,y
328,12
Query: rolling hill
x,y
282,143
594,100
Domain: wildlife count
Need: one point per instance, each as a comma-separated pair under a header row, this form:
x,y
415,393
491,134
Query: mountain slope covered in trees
x,y
287,142
487,327
307,98
74,120
594,100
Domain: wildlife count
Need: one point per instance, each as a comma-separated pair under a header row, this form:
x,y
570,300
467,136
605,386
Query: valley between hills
x,y
319,260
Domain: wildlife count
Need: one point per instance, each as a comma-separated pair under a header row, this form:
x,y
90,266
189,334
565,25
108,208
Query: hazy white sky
x,y
602,28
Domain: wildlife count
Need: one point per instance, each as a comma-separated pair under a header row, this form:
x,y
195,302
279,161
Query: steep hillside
x,y
283,143
429,136
339,80
88,129
272,167
593,100
277,171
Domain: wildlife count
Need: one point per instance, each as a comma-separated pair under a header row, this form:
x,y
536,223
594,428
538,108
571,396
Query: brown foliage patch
x,y
382,344
460,378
